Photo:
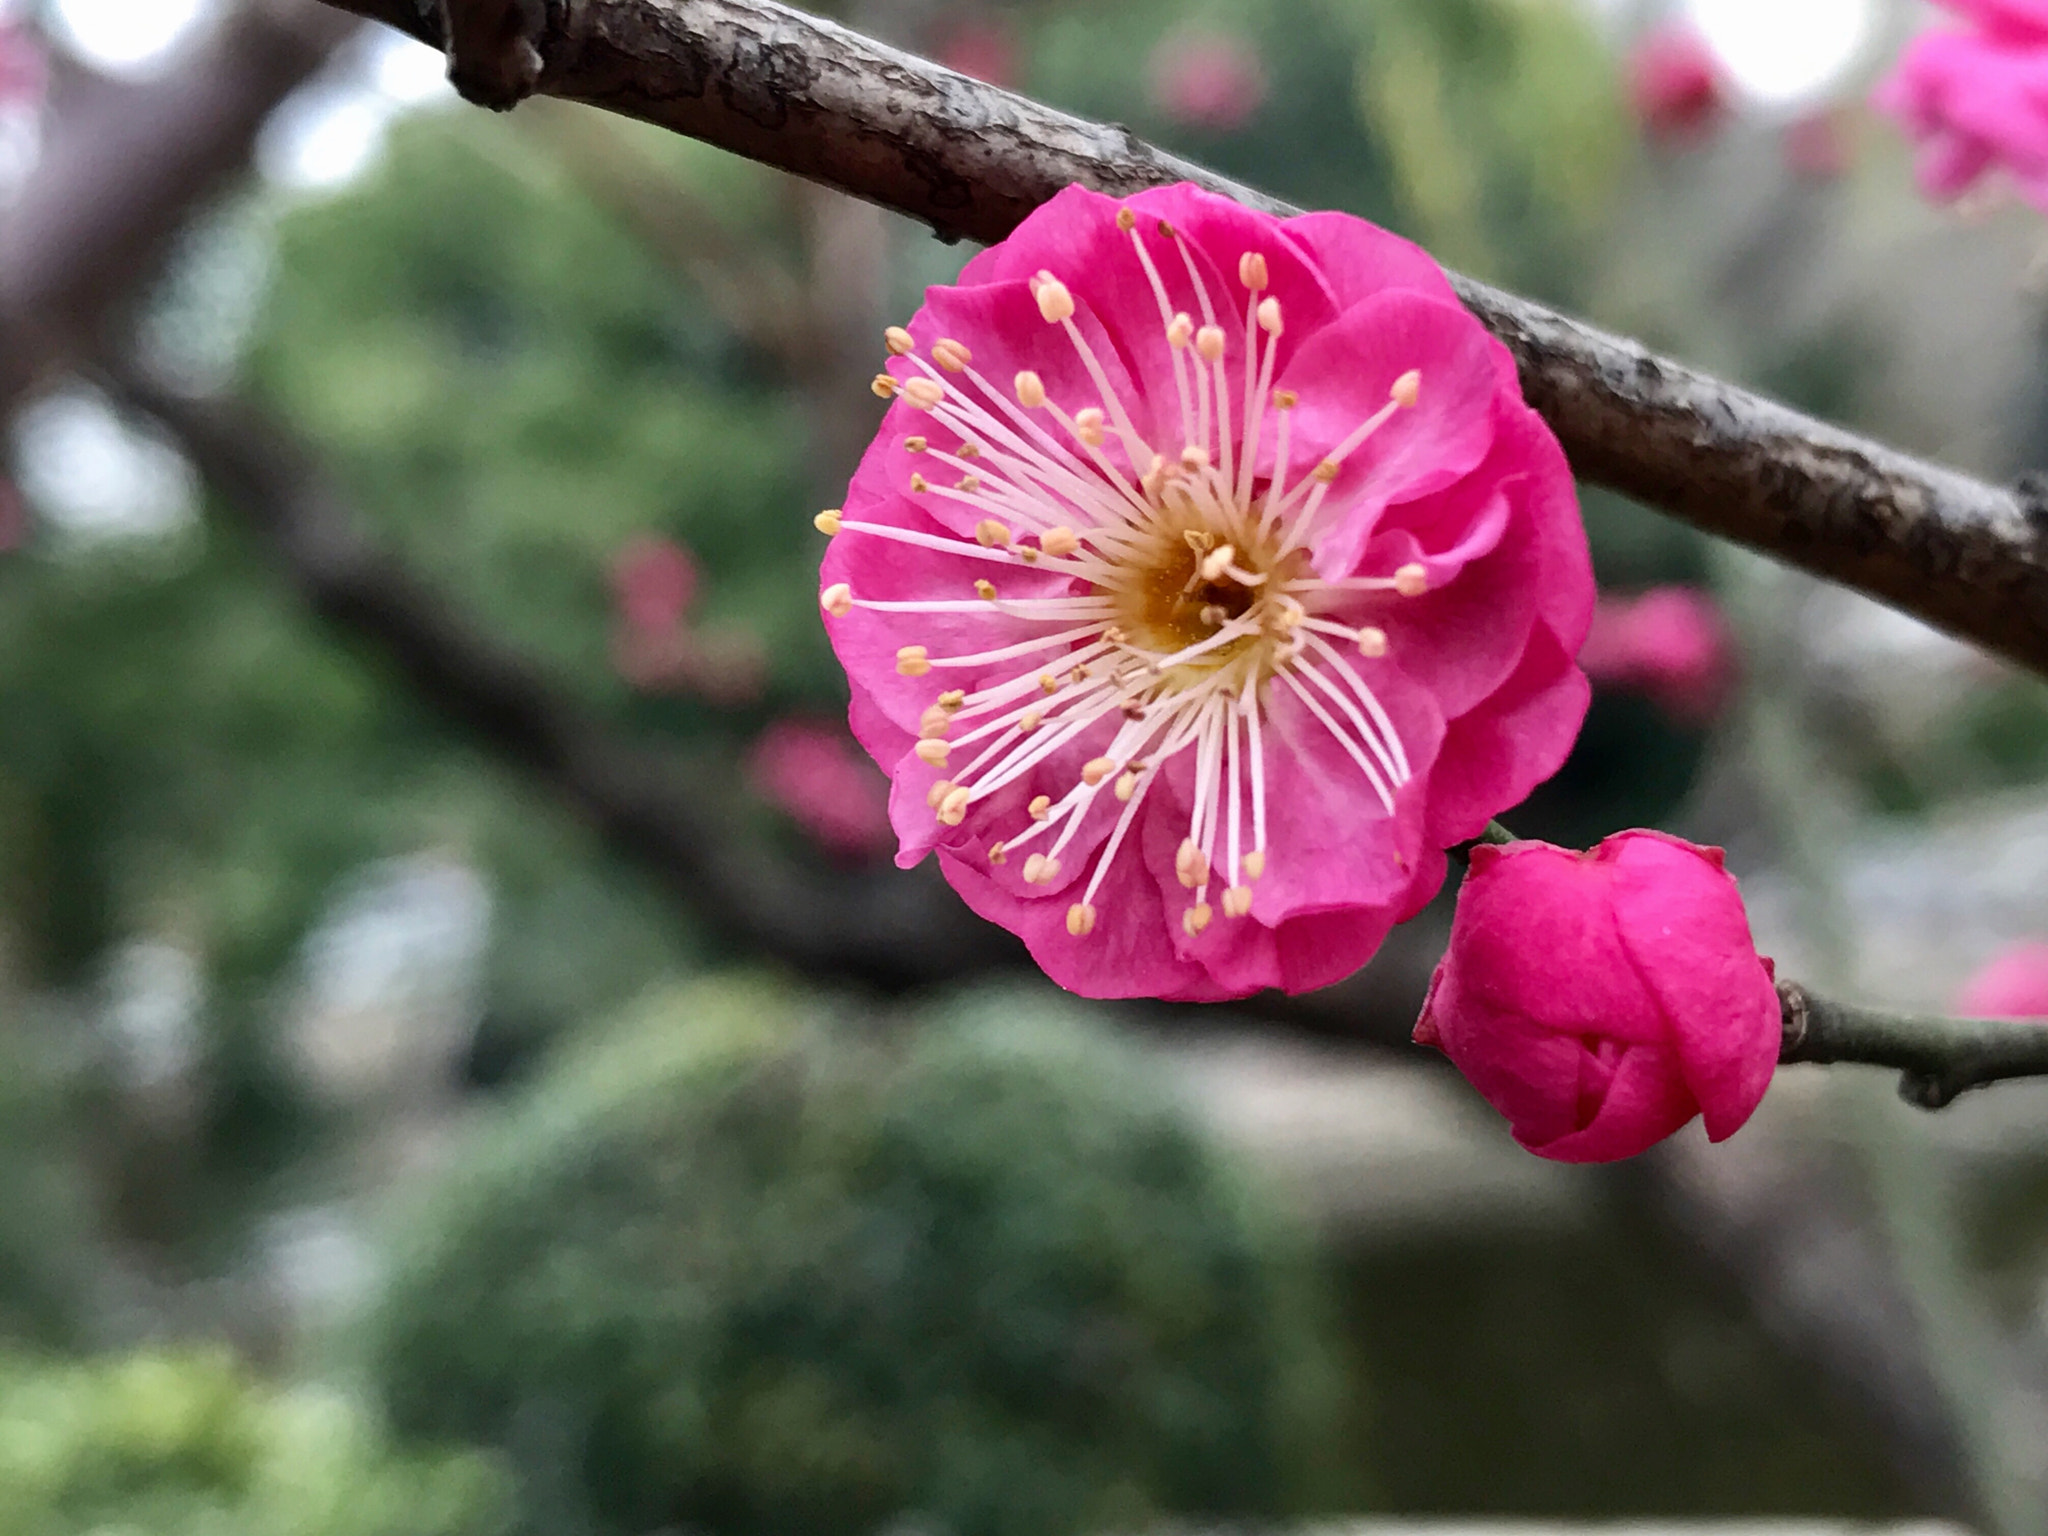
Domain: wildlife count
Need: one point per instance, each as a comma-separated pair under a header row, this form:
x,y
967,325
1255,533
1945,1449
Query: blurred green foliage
x,y
161,1444
743,1266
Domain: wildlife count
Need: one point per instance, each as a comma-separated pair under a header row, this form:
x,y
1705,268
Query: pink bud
x,y
1676,84
1206,80
2013,986
986,50
654,581
814,774
1600,1000
1670,643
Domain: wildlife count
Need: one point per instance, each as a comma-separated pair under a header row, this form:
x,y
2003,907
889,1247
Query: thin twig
x,y
971,160
1938,1058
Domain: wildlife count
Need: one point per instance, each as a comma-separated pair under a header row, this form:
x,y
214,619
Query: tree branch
x,y
971,160
1938,1058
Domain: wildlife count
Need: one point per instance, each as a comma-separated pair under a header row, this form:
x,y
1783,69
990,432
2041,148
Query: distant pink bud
x,y
1676,84
816,776
1977,101
986,50
1670,643
1600,1000
2013,986
1206,80
654,582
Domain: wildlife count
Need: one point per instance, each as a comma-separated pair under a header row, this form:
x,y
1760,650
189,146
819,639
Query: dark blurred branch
x,y
1937,1058
123,166
971,160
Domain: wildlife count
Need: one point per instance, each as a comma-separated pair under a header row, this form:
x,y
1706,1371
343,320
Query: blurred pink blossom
x,y
2013,986
654,581
1670,643
814,774
1976,100
1676,84
984,48
654,646
23,74
1206,79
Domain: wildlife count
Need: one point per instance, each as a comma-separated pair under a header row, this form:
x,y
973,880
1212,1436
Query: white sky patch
x,y
126,37
1785,52
95,477
331,130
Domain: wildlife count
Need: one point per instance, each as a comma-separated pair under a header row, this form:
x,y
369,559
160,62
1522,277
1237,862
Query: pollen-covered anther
x,y
988,533
1209,342
913,661
1041,869
1096,769
998,853
1126,786
952,698
1088,426
1030,389
1237,901
1372,640
1412,579
1080,920
935,722
1194,458
898,341
1253,864
1047,683
1029,721
1027,554
1040,807
1195,919
918,484
1054,302
1251,270
1326,471
914,445
924,393
985,589
884,386
1217,561
953,809
936,795
1407,389
1285,399
951,355
934,751
837,599
1059,541
1191,864
968,451
1180,330
967,483
1126,220
827,521
1269,316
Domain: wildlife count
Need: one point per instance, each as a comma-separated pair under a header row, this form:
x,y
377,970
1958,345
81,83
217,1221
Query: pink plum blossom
x,y
1207,579
985,49
1206,80
2014,985
1676,84
1977,100
654,645
654,581
1600,1000
1670,643
814,774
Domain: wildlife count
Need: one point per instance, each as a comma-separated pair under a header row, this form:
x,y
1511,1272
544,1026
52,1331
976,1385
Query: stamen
x,y
1030,390
898,341
1237,901
1195,919
934,751
884,386
913,661
1080,920
951,355
1372,641
827,521
923,393
837,600
1251,270
1411,580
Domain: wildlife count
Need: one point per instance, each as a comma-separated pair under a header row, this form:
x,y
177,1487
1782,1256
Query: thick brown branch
x,y
971,160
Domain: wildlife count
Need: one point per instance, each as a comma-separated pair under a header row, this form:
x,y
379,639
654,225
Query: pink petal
x,y
1495,754
1645,1101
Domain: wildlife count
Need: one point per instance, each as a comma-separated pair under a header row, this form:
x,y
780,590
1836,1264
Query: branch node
x,y
493,46
1796,1013
1924,1090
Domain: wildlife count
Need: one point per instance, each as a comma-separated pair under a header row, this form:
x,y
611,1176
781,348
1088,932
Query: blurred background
x,y
467,1062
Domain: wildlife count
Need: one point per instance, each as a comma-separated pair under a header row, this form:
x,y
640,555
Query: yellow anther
x,y
998,853
898,341
953,809
988,533
1059,541
1269,316
1029,721
1217,561
1126,786
934,751
1040,869
967,483
1194,458
1407,389
884,386
1285,399
1030,390
1237,901
952,698
1411,580
1080,920
1251,270
1096,769
914,445
1126,220
827,521
913,661
1191,864
1253,864
1054,302
1200,540
1195,919
985,590
837,599
1372,640
1209,342
924,393
1088,426
1180,330
1047,683
969,451
918,483
935,722
1326,471
1027,554
951,355
938,792
1168,230
1040,807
